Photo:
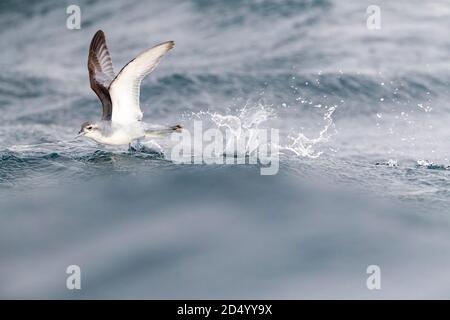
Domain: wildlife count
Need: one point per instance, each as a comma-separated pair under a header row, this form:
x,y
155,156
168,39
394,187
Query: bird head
x,y
90,130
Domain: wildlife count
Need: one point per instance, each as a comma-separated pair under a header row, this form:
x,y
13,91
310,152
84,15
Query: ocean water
x,y
364,170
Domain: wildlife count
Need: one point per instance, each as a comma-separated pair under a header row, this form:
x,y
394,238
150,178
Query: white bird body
x,y
122,116
116,134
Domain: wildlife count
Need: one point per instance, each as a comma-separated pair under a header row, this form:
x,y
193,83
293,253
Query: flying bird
x,y
121,121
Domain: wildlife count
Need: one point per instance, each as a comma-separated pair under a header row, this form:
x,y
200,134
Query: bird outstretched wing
x,y
101,72
125,87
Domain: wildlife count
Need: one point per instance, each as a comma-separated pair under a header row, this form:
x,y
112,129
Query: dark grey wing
x,y
101,72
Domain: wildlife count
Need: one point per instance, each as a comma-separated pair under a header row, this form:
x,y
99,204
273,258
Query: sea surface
x,y
364,145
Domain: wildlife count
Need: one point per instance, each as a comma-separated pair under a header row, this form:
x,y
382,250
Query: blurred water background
x,y
363,180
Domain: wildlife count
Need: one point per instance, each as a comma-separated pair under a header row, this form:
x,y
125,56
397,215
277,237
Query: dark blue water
x,y
363,179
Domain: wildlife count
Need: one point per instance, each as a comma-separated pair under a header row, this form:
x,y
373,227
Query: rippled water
x,y
364,172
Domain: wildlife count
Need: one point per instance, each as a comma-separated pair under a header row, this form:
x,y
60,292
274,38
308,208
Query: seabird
x,y
121,121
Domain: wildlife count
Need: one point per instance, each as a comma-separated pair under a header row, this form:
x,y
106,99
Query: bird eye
x,y
89,128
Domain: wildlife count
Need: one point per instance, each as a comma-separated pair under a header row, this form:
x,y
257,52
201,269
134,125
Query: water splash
x,y
303,146
244,120
422,163
392,163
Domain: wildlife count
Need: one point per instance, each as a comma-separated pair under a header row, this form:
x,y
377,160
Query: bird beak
x,y
80,134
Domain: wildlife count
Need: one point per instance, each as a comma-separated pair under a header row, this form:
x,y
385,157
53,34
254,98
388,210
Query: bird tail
x,y
154,133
